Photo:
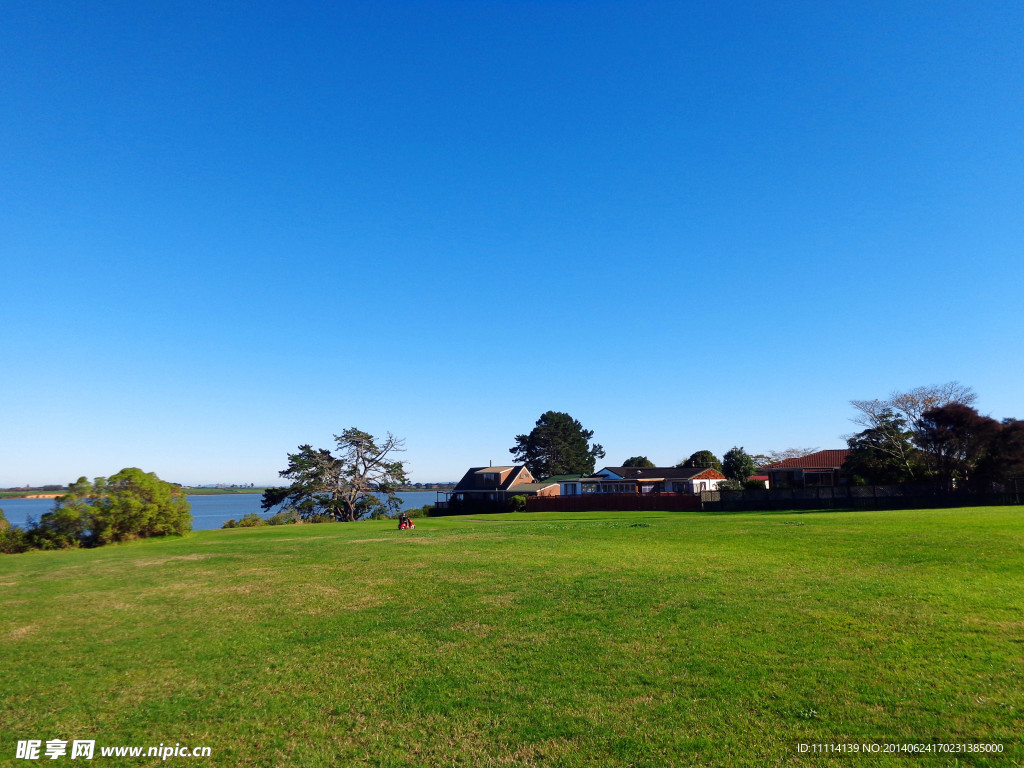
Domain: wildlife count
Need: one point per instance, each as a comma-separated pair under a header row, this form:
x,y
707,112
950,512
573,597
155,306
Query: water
x,y
208,512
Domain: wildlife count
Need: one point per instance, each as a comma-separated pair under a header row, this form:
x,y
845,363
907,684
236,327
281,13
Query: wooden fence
x,y
859,497
614,502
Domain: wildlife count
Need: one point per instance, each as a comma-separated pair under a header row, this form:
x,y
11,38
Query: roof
x,y
562,478
529,487
658,473
819,460
474,480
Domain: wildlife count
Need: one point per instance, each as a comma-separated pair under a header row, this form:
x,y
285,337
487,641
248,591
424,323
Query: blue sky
x,y
227,229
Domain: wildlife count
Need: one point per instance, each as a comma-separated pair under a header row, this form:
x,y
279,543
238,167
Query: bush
x,y
421,512
288,517
753,485
518,503
12,540
129,505
251,520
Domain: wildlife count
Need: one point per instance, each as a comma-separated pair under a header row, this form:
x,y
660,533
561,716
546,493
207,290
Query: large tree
x,y
360,478
1005,456
884,453
129,505
557,445
955,438
638,461
737,464
881,419
702,459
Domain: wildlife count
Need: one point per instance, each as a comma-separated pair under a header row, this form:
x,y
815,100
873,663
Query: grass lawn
x,y
593,639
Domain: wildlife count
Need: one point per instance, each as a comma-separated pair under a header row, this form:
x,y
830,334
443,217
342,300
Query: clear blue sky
x,y
227,229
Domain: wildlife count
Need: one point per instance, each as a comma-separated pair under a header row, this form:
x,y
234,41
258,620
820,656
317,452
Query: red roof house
x,y
815,470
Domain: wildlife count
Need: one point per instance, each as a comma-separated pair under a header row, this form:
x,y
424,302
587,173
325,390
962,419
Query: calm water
x,y
208,512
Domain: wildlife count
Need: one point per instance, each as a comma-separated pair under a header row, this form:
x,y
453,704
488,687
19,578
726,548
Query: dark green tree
x,y
12,540
346,486
884,453
702,459
1005,456
638,461
129,505
955,438
557,445
738,465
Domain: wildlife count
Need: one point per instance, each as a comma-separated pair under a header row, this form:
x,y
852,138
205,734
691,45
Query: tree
x,y
12,540
1005,456
346,486
638,461
771,457
702,459
884,453
881,418
955,438
129,505
737,464
557,445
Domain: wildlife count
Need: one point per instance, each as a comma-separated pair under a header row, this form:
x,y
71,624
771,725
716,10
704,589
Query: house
x,y
816,470
493,487
761,479
639,480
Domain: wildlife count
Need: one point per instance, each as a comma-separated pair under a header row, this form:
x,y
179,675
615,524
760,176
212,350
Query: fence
x,y
614,502
859,497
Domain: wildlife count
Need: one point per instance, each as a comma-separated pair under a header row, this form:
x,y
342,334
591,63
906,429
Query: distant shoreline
x,y
196,492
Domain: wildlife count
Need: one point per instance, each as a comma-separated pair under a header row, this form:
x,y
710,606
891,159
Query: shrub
x,y
421,512
518,503
251,520
12,540
129,505
287,517
753,485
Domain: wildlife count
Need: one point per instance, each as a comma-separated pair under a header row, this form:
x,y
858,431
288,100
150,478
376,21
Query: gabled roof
x,y
819,460
471,481
530,487
658,473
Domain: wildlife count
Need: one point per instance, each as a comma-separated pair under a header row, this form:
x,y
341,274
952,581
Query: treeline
x,y
129,505
934,434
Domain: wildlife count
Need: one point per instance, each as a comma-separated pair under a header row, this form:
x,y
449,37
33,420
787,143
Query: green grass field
x,y
597,639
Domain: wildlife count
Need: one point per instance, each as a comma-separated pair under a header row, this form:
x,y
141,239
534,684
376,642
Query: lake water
x,y
208,512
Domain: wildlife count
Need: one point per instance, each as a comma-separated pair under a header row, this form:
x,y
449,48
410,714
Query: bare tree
x,y
912,405
770,457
